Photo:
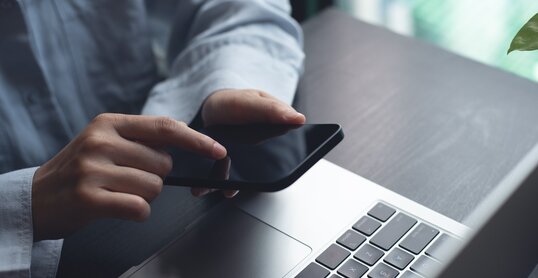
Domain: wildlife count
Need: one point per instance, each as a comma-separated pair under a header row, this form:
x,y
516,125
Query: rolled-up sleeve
x,y
19,255
249,44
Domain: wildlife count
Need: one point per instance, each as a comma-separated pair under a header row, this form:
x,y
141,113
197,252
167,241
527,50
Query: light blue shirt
x,y
64,62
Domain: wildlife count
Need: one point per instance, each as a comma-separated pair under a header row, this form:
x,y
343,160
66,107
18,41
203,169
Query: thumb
x,y
249,106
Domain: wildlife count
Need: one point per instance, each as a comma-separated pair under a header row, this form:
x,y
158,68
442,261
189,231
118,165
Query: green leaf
x,y
527,38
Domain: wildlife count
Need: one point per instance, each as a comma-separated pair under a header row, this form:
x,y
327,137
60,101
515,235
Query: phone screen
x,y
257,156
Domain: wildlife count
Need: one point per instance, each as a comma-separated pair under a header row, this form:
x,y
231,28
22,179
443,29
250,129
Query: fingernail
x,y
218,150
294,116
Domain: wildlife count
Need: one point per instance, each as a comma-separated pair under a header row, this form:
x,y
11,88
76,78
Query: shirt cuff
x,y
19,255
46,257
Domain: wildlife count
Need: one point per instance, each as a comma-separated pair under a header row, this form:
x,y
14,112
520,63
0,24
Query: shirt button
x,y
30,99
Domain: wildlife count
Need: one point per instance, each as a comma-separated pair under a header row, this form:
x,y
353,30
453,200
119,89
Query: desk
x,y
430,125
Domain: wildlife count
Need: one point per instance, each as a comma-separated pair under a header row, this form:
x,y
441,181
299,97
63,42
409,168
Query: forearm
x,y
231,45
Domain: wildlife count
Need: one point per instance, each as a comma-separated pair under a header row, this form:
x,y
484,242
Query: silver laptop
x,y
334,223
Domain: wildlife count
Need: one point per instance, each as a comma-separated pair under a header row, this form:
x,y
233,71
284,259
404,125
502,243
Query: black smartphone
x,y
260,157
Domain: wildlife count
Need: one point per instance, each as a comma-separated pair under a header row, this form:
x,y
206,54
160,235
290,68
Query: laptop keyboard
x,y
384,243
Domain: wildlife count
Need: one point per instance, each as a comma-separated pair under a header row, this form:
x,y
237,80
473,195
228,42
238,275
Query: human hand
x,y
112,169
248,106
243,107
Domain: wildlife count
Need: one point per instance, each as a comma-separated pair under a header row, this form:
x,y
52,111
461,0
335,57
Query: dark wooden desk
x,y
430,125
435,127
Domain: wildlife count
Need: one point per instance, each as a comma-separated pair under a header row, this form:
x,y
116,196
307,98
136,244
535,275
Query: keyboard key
x,y
398,258
393,231
382,212
409,274
425,266
436,250
419,238
352,269
313,270
333,256
383,271
366,225
335,276
351,239
368,254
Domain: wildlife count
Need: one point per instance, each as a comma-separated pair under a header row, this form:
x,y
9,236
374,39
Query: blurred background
x,y
479,30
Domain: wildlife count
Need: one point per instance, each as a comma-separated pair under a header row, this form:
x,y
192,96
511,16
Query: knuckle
x,y
154,186
162,165
274,106
264,94
166,164
257,93
83,168
110,119
104,117
166,125
95,143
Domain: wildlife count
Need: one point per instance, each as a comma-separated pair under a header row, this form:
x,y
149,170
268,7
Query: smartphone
x,y
260,157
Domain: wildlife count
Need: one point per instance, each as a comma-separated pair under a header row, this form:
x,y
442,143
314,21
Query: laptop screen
x,y
505,239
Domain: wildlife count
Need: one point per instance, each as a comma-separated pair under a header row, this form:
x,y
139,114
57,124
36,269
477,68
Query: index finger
x,y
169,132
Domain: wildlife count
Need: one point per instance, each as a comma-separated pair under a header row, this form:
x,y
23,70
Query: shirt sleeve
x,y
19,255
248,44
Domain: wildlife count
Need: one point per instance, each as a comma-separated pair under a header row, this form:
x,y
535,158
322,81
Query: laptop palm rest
x,y
234,243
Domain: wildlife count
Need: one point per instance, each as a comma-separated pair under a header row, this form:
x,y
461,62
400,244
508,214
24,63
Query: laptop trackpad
x,y
228,243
